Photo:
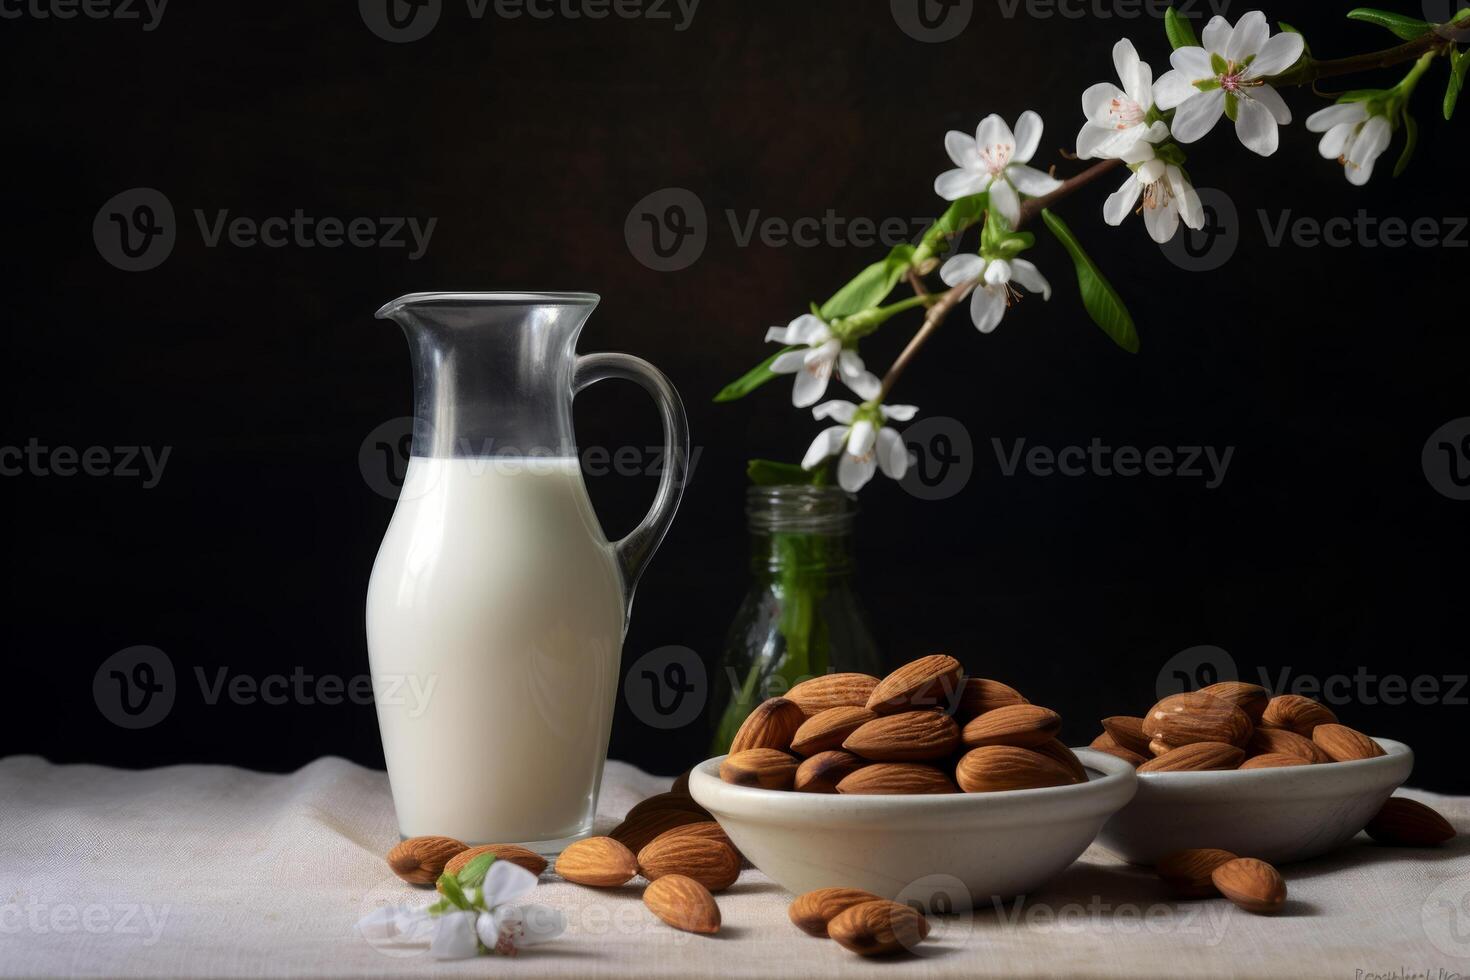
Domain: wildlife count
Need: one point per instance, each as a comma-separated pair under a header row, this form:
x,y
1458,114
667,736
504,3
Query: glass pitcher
x,y
496,608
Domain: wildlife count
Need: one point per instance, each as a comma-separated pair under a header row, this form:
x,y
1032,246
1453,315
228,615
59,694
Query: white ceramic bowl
x,y
994,844
1277,815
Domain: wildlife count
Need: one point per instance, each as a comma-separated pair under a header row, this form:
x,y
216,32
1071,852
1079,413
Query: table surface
x,y
215,871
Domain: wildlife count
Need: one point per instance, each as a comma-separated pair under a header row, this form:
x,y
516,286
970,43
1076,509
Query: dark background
x,y
1326,551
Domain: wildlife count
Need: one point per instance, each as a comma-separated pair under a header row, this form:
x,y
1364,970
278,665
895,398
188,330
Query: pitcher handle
x,y
637,548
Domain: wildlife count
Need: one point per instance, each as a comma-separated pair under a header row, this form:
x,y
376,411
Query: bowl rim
x,y
1109,789
1395,754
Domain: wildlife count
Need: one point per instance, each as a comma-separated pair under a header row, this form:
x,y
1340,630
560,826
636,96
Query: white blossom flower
x,y
1167,195
1117,118
457,933
995,292
1352,136
994,160
1228,75
866,444
813,366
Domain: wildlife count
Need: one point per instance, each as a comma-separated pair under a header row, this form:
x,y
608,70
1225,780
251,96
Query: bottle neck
x,y
800,531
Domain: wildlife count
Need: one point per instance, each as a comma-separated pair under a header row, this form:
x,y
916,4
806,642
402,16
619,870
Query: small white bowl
x,y
1277,815
996,845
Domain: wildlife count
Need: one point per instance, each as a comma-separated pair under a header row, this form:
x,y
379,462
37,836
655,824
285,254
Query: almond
x,y
1127,731
909,736
712,863
683,903
635,832
1022,725
1004,767
514,853
421,860
979,695
1408,823
766,768
812,911
1194,717
771,725
1117,751
1104,741
826,730
666,801
1056,750
1253,885
929,682
707,829
1273,760
601,862
1196,757
832,691
1296,714
823,771
1266,741
895,778
1188,873
681,783
874,928
1343,744
1250,698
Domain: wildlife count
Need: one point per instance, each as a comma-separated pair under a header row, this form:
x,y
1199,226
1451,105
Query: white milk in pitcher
x,y
496,609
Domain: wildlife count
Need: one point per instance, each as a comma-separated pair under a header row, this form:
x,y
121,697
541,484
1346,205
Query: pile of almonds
x,y
1204,872
1232,725
925,728
858,920
668,839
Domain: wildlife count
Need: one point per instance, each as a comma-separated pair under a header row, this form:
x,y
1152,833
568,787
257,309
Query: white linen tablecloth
x,y
212,871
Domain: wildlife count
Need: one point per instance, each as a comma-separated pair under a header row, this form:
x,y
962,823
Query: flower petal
x,y
893,455
1140,152
993,132
1336,140
827,444
505,882
955,184
987,306
1216,35
1162,220
1256,127
1026,273
864,383
1324,120
1030,181
529,925
997,272
1277,55
1365,150
1198,115
488,929
1096,143
853,474
789,362
860,441
1173,88
961,268
455,936
1003,198
842,411
1157,132
811,381
1121,201
1098,99
1136,76
1028,136
1191,210
1274,103
807,329
961,149
900,413
1193,63
1248,37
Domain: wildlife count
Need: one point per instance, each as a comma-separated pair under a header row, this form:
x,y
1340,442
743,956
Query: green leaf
x,y
956,219
1179,30
871,286
1361,95
472,875
451,890
1459,61
769,473
1102,301
1411,140
752,379
1407,28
